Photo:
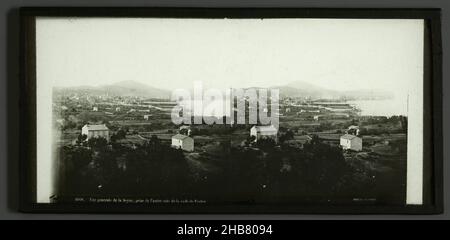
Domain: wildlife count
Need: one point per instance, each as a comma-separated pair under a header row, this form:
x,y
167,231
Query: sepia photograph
x,y
144,111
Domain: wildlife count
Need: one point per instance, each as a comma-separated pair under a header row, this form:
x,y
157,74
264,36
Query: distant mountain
x,y
303,89
293,89
123,88
305,86
132,88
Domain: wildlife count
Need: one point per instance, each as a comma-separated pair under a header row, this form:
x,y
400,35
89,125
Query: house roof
x,y
270,128
348,136
179,137
96,127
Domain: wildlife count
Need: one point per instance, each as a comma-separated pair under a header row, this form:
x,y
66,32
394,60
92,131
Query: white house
x,y
95,109
147,116
184,142
99,130
352,142
264,132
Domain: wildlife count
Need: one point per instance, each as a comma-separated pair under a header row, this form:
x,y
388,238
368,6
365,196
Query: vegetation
x,y
100,169
256,172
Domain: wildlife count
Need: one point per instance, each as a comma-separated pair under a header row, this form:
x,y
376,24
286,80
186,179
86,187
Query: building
x,y
147,116
95,109
264,132
351,142
99,130
184,142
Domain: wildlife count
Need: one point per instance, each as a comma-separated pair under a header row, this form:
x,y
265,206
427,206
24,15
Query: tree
x,y
404,123
250,139
73,168
81,138
97,142
286,135
323,167
266,143
184,131
121,134
244,174
80,157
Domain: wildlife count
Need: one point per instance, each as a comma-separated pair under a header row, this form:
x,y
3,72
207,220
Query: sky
x,y
340,54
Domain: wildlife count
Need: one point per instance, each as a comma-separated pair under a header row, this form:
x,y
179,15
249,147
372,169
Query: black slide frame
x,y
433,148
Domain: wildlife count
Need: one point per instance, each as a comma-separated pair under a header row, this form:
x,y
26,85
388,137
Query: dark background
x,y
9,95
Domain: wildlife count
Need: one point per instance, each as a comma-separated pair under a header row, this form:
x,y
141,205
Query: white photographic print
x,y
214,111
